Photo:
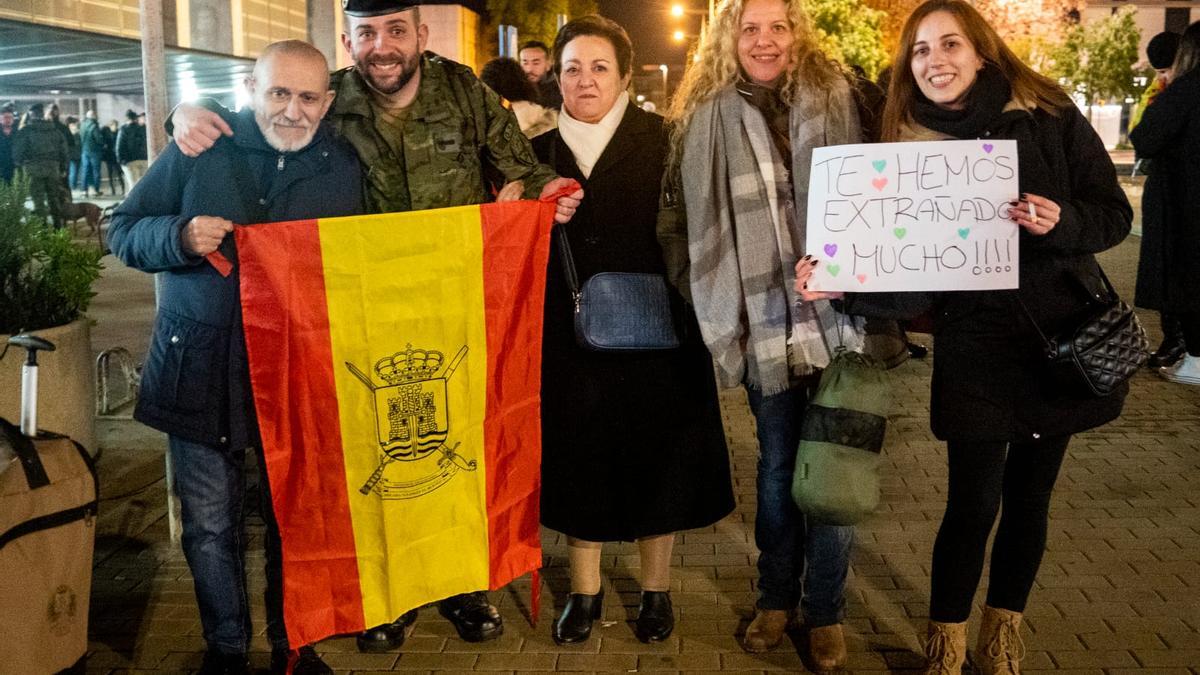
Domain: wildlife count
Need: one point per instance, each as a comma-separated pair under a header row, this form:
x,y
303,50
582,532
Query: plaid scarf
x,y
746,213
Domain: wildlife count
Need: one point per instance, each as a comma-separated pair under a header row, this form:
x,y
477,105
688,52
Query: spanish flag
x,y
396,367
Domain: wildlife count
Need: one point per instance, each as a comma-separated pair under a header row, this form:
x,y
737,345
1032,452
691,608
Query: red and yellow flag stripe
x,y
395,361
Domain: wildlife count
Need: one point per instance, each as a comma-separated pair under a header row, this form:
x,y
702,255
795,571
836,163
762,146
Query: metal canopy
x,y
37,59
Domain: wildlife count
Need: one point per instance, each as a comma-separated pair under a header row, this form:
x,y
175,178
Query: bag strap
x,y
564,246
1112,294
568,260
31,462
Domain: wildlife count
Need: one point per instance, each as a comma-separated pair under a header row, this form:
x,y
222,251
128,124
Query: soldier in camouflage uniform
x,y
430,135
40,150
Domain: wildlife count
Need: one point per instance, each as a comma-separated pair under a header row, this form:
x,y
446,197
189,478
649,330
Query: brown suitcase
x,y
48,501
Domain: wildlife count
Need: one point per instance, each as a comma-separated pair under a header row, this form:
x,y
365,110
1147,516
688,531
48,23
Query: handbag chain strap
x,y
1112,294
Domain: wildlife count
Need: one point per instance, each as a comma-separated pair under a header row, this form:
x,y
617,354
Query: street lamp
x,y
679,36
664,70
677,10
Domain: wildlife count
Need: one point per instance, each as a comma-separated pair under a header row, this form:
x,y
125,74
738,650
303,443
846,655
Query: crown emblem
x,y
410,365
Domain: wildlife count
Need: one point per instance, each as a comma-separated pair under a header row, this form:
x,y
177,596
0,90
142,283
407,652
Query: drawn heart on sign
x,y
879,183
830,250
963,232
988,147
833,269
880,165
900,232
862,278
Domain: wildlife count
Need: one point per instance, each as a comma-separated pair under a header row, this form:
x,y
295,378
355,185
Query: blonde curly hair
x,y
715,65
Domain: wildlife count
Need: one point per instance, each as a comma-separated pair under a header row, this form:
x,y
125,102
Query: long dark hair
x,y
1188,56
1028,87
505,77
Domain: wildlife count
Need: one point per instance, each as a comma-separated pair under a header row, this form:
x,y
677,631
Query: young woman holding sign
x,y
1007,428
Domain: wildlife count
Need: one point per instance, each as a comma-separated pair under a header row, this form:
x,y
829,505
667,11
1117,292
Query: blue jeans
x,y
74,177
799,561
90,171
211,486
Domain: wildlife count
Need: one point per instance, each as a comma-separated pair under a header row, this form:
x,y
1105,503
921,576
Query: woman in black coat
x,y
1006,423
632,444
1169,134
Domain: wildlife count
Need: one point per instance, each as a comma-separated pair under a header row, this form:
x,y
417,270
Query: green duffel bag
x,y
841,438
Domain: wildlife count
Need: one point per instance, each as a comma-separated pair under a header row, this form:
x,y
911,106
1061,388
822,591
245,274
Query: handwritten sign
x,y
929,216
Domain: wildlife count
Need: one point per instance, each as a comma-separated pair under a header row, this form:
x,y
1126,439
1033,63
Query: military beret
x,y
1161,50
377,7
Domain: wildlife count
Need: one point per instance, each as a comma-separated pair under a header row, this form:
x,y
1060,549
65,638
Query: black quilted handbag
x,y
1102,352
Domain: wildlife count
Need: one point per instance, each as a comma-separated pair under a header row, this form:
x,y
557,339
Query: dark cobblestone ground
x,y
1119,591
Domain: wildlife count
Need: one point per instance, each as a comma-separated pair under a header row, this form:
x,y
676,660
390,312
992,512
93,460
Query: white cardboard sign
x,y
930,216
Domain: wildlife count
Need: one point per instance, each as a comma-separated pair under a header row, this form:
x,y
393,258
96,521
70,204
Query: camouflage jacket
x,y
40,145
458,138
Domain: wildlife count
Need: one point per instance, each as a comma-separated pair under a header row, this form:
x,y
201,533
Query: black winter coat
x,y
989,373
632,444
195,383
1169,134
131,142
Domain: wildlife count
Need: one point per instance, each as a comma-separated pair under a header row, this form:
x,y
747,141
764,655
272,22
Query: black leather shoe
x,y
475,619
387,637
917,350
575,623
1167,354
655,619
307,662
220,663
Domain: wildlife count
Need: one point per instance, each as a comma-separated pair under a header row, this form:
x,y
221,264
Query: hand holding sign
x,y
804,271
916,216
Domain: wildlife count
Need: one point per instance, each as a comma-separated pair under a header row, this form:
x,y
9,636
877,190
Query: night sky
x,y
650,26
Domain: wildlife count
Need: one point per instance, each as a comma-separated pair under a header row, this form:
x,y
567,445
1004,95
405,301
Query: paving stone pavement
x,y
1118,592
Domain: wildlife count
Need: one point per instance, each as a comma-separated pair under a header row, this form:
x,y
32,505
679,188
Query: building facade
x,y
86,53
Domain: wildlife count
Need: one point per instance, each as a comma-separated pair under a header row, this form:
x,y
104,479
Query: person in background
x,y
115,176
1151,280
74,174
633,448
1169,135
8,128
131,148
91,145
535,61
196,382
1006,423
758,98
40,150
505,77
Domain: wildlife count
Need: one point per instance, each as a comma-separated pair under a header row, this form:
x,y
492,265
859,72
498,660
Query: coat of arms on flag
x,y
413,421
395,361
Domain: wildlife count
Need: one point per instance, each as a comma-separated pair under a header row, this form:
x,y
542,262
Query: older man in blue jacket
x,y
282,164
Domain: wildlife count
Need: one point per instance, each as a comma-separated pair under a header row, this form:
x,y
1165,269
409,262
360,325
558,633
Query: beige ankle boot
x,y
945,648
999,649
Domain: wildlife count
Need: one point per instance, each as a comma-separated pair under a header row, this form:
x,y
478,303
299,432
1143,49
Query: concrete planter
x,y
66,383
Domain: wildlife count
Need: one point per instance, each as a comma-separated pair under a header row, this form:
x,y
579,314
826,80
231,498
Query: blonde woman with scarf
x,y
755,102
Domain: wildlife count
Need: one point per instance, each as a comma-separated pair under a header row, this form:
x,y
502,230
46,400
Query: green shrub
x,y
45,277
